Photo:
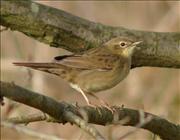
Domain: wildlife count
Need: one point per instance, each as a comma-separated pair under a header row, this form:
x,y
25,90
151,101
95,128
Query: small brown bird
x,y
95,70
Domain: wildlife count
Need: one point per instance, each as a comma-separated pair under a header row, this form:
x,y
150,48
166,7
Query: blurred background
x,y
155,90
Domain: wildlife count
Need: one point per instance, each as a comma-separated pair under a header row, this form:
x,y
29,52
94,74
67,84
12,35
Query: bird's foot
x,y
92,105
106,105
108,108
102,102
97,107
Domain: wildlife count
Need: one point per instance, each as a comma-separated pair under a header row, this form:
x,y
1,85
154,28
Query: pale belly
x,y
95,81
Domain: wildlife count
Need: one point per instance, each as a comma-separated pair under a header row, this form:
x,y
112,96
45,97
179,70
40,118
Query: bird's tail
x,y
37,65
50,67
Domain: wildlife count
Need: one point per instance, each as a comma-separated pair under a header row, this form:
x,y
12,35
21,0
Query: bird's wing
x,y
87,61
80,62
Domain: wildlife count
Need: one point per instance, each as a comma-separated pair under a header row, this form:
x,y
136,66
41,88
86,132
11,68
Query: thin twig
x,y
28,118
84,125
30,132
44,117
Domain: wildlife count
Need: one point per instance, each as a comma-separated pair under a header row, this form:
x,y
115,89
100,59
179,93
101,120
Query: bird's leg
x,y
85,97
87,100
102,101
76,87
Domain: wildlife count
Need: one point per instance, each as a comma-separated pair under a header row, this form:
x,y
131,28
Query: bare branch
x,y
102,116
59,111
61,29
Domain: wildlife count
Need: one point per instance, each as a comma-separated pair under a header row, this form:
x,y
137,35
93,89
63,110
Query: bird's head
x,y
122,46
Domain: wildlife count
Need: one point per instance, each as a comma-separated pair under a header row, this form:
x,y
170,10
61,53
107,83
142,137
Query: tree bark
x,y
64,30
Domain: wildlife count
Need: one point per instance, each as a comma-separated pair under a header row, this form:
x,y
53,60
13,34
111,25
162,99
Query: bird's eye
x,y
122,44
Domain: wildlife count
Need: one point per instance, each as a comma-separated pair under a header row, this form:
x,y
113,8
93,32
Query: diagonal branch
x,y
61,29
102,116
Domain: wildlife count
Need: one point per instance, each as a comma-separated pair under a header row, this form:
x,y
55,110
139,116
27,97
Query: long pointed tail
x,y
51,67
37,65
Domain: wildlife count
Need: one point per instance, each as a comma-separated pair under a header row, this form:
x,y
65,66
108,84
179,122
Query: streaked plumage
x,y
96,69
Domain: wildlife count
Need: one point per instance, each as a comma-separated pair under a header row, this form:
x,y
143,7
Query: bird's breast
x,y
96,80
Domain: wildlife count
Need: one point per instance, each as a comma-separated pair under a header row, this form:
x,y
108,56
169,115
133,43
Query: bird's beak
x,y
136,43
129,51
